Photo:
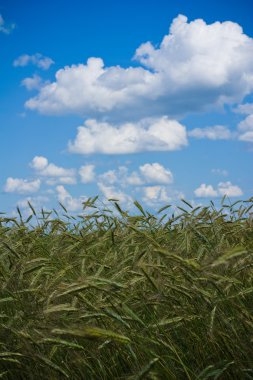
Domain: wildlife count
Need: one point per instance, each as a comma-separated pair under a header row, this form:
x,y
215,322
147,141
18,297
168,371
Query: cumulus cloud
x,y
156,173
21,186
36,202
155,194
148,173
195,67
87,173
32,83
205,191
245,109
111,177
134,179
71,203
58,174
245,129
113,192
217,132
159,134
37,59
224,188
6,28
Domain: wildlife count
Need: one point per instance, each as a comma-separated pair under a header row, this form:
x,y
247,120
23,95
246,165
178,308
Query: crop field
x,y
118,295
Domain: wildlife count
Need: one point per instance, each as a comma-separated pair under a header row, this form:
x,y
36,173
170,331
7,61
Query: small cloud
x,y
33,83
245,109
205,191
109,177
224,188
217,132
37,59
111,192
36,202
156,173
71,203
155,194
6,28
147,135
58,174
245,129
134,179
21,186
87,173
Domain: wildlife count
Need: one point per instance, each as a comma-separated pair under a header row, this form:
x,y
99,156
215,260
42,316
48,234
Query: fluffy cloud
x,y
36,59
134,179
148,173
244,109
155,194
36,202
87,173
21,186
217,132
205,191
197,65
156,173
6,29
111,177
224,188
111,192
245,129
71,203
57,173
159,134
32,83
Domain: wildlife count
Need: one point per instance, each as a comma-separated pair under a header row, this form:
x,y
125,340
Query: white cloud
x,y
155,194
245,129
37,59
224,188
205,191
32,83
64,180
196,66
156,173
217,132
58,174
111,192
39,163
109,177
134,179
21,186
36,202
71,203
87,173
147,135
6,29
244,109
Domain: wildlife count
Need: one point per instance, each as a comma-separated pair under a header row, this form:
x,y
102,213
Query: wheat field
x,y
117,295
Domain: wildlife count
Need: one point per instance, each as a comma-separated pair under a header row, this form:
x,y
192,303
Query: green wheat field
x,y
110,294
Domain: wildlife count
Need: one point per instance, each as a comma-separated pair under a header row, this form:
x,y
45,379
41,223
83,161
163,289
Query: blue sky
x,y
149,101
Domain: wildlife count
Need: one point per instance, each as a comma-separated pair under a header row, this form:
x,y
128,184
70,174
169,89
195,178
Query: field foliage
x,y
113,295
